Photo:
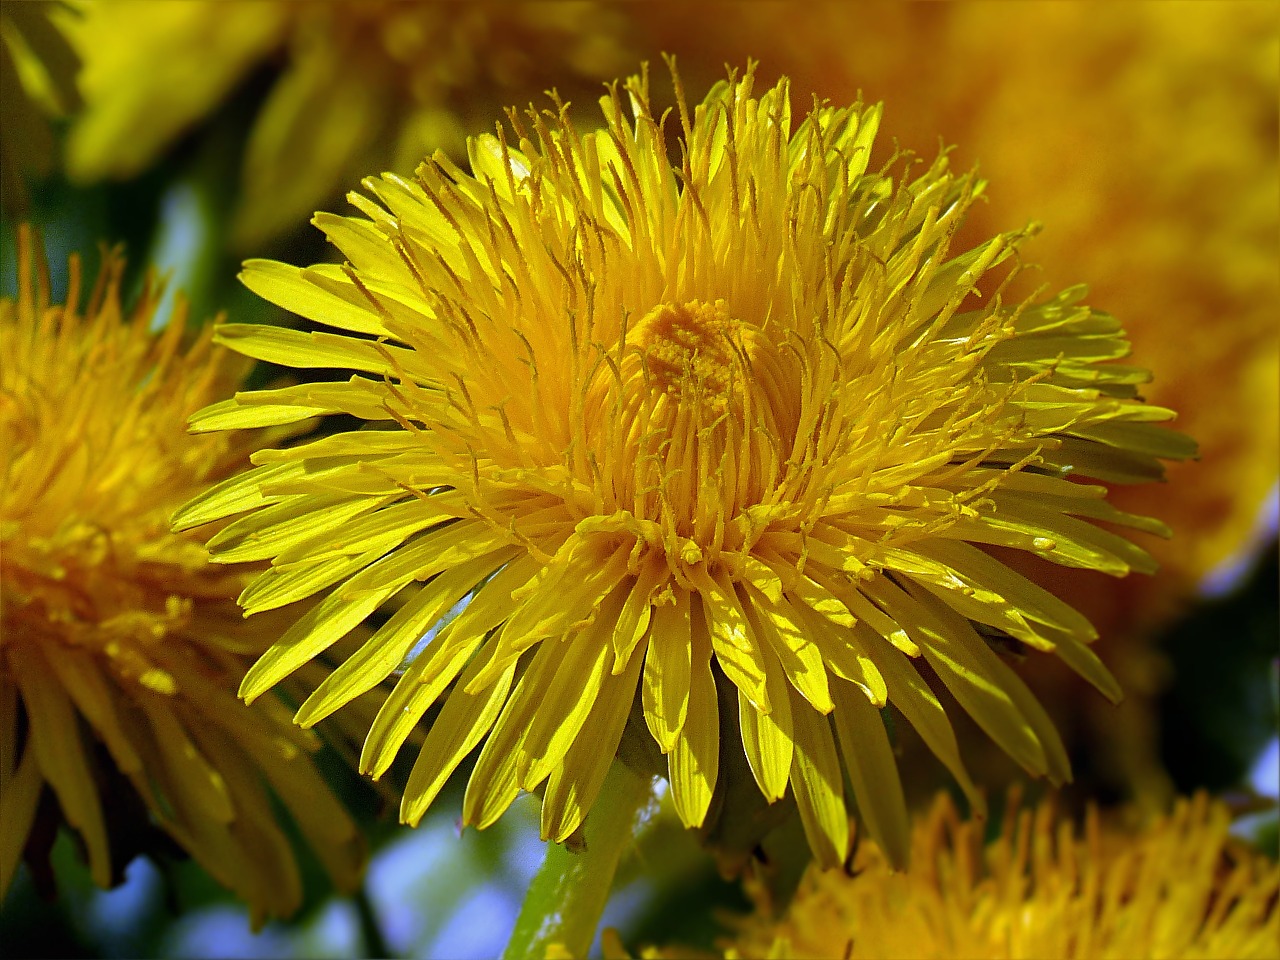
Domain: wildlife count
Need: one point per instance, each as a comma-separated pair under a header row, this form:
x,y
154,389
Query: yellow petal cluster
x,y
374,84
1144,135
121,644
1179,888
742,424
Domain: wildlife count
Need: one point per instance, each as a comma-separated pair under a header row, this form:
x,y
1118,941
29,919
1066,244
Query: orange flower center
x,y
695,352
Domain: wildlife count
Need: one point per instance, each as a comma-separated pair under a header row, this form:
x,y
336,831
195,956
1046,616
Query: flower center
x,y
694,352
679,419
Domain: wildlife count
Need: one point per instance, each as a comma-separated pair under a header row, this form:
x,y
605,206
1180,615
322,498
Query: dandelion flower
x,y
122,645
374,84
38,75
1181,888
723,424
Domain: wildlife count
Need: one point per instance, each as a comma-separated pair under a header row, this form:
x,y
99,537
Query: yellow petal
x,y
293,348
288,287
563,706
694,761
359,445
883,625
463,722
778,624
490,607
251,855
324,821
351,475
283,585
92,696
56,739
270,531
19,793
767,737
415,691
634,620
967,671
390,530
394,640
365,247
582,573
665,690
843,653
495,781
1058,767
233,415
1142,437
1064,499
1076,543
357,396
873,771
420,545
575,784
814,595
736,650
1086,663
195,789
818,785
913,698
315,632
991,582
236,495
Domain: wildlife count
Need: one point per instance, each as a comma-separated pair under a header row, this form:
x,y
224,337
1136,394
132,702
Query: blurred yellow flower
x,y
1180,888
122,645
369,85
38,76
1178,176
722,424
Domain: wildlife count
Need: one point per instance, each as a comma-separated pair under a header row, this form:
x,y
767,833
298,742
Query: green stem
x,y
374,944
567,897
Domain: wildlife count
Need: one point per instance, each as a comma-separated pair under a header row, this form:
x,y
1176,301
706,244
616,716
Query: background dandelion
x,y
1177,887
353,87
120,649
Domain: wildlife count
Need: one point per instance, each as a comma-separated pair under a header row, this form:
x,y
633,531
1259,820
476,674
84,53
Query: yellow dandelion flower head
x,y
374,84
122,645
1180,887
38,69
723,424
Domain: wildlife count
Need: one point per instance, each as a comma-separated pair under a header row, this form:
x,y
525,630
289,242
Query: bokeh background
x,y
1142,135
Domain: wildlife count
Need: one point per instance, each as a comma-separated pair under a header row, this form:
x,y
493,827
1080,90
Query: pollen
x,y
696,353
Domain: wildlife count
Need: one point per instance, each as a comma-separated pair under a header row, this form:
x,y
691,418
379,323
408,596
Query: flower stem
x,y
374,943
568,895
